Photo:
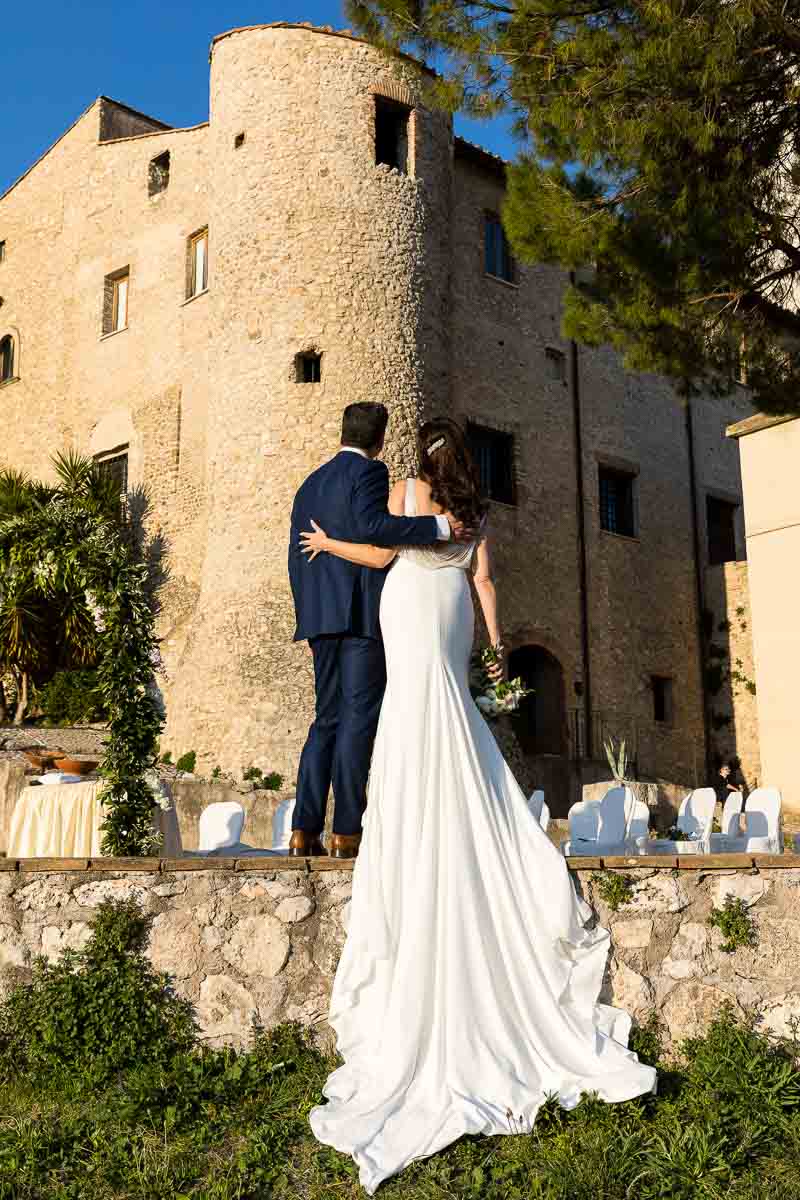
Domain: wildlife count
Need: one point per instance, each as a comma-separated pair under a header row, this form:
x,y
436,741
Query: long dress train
x,y
468,985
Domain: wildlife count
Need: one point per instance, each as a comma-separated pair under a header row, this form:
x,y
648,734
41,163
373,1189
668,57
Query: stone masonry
x,y
255,940
315,248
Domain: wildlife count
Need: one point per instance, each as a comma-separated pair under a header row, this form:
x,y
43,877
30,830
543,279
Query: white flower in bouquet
x,y
494,697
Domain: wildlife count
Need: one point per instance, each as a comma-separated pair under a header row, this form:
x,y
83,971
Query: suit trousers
x,y
350,679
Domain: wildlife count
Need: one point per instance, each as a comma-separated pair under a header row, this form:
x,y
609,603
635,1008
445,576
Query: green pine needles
x,y
76,540
661,153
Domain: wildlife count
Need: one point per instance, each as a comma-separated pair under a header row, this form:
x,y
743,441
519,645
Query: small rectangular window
x,y
662,699
198,263
309,368
2,251
238,141
721,526
391,133
114,466
158,174
556,361
493,451
617,502
499,261
115,301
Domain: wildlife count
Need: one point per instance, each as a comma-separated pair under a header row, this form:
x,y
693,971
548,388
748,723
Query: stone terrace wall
x,y
261,939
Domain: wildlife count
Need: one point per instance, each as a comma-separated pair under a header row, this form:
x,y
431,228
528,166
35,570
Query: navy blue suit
x,y
337,604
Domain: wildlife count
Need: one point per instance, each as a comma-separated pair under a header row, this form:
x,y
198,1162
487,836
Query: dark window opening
x,y
556,364
499,261
2,251
238,141
391,133
662,699
721,523
6,359
309,368
158,174
493,452
616,502
115,468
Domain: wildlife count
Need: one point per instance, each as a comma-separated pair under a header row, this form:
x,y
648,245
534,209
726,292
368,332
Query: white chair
x,y
538,809
600,826
638,838
731,811
221,827
763,833
695,820
282,825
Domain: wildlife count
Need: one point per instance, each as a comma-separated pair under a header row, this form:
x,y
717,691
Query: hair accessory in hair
x,y
434,446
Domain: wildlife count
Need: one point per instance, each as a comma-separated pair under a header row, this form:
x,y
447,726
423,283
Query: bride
x,y
467,991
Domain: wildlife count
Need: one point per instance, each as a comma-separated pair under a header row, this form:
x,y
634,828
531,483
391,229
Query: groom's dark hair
x,y
364,425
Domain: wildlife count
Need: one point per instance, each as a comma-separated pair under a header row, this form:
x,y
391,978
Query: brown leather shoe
x,y
345,845
305,845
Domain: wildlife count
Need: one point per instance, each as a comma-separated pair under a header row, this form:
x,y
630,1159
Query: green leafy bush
x,y
98,1010
614,888
187,762
271,782
72,698
736,924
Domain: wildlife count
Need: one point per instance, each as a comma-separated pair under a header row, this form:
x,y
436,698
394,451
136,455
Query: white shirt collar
x,y
354,450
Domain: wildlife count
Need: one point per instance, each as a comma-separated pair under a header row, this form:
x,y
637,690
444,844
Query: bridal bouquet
x,y
495,698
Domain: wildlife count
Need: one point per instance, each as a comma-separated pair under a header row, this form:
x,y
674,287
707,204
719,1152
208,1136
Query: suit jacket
x,y
348,497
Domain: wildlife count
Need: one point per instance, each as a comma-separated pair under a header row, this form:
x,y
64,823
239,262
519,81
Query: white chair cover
x,y
695,819
221,826
720,842
539,809
282,825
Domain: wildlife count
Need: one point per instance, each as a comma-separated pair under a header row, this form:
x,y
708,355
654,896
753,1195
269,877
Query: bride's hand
x,y
498,672
314,543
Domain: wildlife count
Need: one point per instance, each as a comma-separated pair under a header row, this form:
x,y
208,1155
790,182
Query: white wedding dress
x,y
467,990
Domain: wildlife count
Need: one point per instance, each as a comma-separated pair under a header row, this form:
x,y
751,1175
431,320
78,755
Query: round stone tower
x,y
328,284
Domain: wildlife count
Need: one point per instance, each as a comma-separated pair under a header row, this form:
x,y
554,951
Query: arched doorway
x,y
540,722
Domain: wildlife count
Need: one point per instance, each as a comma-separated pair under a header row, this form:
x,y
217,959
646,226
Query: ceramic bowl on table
x,y
76,766
42,760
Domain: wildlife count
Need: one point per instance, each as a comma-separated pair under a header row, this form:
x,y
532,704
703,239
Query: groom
x,y
337,603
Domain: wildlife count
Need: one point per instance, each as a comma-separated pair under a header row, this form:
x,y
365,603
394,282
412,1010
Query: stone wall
x,y
251,939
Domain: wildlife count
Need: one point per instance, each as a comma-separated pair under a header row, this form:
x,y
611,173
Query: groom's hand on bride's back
x,y
459,532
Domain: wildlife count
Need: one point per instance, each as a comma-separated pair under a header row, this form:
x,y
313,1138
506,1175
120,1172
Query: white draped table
x,y
63,821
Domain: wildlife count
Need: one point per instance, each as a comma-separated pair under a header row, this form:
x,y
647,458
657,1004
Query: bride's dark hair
x,y
448,466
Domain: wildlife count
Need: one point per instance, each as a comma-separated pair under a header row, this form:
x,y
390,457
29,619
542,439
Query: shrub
x,y
96,1011
735,923
614,888
72,698
187,762
261,782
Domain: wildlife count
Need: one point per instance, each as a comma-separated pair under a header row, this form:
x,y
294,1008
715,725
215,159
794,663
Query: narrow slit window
x,y
115,301
662,699
498,259
493,451
6,359
198,264
392,121
309,368
556,361
2,251
239,141
721,525
617,510
158,174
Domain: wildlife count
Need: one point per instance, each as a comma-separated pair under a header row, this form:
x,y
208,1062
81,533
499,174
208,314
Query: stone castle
x,y
194,307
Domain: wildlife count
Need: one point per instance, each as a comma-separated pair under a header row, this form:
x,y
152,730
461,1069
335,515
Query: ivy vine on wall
x,y
69,539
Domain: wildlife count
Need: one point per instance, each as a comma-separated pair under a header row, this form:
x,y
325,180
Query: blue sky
x,y
56,58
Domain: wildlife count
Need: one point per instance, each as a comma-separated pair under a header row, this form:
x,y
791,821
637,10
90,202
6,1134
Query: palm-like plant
x,y
44,617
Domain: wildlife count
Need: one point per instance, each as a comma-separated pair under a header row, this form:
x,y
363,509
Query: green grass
x,y
80,1121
